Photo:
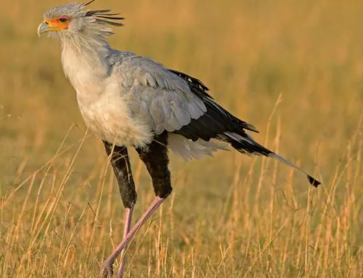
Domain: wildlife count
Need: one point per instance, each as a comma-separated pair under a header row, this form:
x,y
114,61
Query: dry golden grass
x,y
231,216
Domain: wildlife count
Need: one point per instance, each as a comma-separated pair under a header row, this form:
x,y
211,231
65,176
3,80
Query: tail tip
x,y
313,181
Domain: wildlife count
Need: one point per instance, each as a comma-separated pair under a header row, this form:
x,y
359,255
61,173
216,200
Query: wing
x,y
159,98
216,121
168,100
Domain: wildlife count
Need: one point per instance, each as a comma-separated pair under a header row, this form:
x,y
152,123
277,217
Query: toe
x,y
106,271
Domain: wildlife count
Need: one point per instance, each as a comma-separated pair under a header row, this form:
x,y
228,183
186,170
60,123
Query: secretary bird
x,y
132,101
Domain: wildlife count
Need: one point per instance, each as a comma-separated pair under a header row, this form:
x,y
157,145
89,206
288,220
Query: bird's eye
x,y
63,19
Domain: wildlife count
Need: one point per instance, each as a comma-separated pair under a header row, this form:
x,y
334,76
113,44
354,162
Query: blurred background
x,y
294,69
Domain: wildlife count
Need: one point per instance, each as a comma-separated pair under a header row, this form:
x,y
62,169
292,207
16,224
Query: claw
x,y
107,269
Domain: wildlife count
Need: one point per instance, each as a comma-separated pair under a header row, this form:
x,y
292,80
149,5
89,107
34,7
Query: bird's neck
x,y
85,59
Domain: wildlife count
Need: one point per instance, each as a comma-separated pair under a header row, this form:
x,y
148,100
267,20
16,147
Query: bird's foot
x,y
107,269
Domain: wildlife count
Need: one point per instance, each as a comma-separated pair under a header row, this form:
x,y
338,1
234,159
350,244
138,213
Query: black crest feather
x,y
104,16
88,3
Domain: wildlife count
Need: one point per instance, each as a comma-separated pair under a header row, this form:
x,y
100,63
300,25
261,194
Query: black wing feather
x,y
215,121
218,123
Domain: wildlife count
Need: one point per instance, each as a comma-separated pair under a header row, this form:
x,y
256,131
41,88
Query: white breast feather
x,y
102,103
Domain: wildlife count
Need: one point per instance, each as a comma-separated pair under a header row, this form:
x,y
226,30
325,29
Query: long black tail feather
x,y
245,144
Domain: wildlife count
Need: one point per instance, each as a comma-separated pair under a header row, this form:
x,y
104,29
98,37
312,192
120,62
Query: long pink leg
x,y
107,265
128,220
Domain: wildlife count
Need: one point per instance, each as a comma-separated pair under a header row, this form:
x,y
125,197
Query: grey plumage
x,y
158,97
132,101
133,98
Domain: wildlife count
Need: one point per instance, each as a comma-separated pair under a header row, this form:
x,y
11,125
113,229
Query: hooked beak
x,y
43,27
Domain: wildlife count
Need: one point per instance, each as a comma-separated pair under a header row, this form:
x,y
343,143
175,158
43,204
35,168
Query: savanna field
x,y
294,69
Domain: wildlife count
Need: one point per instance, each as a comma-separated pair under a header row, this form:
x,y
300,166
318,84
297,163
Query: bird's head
x,y
74,19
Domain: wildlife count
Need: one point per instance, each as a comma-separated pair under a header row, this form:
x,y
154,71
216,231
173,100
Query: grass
x,y
293,69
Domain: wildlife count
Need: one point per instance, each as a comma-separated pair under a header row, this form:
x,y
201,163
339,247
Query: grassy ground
x,y
292,68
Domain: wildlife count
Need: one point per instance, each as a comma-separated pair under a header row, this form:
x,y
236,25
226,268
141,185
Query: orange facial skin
x,y
57,24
